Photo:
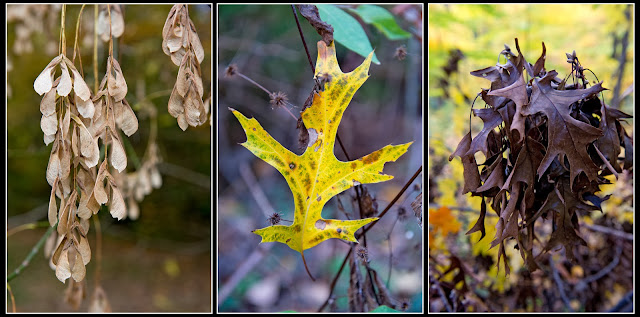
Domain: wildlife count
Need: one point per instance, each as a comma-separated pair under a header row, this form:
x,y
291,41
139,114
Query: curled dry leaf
x,y
44,81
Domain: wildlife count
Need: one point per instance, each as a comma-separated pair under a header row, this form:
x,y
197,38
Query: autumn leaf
x,y
316,175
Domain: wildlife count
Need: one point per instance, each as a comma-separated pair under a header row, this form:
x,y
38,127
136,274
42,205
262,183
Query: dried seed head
x,y
274,218
278,99
401,53
402,213
231,70
363,254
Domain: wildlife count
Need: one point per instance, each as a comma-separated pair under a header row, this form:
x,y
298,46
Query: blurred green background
x,y
174,227
467,37
264,43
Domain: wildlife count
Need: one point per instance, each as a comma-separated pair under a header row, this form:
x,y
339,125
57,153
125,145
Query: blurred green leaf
x,y
382,19
384,309
347,30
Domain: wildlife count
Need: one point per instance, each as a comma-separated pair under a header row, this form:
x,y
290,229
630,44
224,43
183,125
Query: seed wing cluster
x,y
182,44
75,121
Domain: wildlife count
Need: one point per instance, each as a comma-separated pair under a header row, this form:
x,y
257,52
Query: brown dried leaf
x,y
182,84
65,159
66,121
65,85
178,56
44,81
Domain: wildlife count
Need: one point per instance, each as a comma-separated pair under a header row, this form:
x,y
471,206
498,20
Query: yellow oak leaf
x,y
317,175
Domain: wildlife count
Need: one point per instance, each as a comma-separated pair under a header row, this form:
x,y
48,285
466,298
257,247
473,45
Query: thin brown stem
x,y
306,267
295,15
95,48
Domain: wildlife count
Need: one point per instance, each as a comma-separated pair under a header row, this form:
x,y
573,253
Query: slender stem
x,y
295,15
27,226
306,267
95,48
63,41
32,253
75,41
13,300
393,201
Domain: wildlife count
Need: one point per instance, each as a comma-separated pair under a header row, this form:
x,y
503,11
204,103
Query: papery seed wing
x,y
85,108
48,103
44,81
63,270
118,157
80,86
65,85
196,44
126,119
182,122
49,124
53,168
175,103
85,250
53,208
117,22
117,209
117,85
79,271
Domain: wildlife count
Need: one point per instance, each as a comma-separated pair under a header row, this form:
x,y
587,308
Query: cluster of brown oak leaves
x,y
555,144
182,44
74,121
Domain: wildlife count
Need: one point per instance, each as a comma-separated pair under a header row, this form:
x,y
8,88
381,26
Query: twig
x,y
613,232
185,174
558,280
244,268
415,175
606,269
295,14
32,253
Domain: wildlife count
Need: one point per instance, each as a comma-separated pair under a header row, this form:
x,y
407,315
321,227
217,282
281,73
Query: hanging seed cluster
x,y
117,22
74,122
182,44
